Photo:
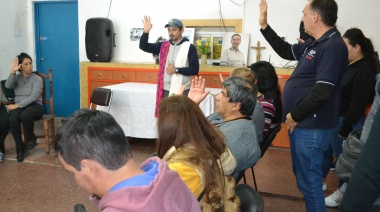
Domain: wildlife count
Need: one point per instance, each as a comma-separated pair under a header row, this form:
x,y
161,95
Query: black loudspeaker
x,y
100,39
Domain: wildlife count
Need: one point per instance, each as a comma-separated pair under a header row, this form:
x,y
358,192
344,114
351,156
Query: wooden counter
x,y
97,74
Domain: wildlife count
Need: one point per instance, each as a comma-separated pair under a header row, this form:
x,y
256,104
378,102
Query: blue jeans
x,y
308,147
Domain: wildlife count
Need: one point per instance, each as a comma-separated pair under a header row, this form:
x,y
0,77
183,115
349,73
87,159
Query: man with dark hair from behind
x,y
93,147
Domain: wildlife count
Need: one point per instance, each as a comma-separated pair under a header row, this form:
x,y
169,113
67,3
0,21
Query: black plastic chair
x,y
267,141
250,199
8,94
102,97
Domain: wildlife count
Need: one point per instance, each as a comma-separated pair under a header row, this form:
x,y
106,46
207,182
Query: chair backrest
x,y
250,199
101,96
47,101
9,94
268,138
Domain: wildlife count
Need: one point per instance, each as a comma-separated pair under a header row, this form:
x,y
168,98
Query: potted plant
x,y
203,46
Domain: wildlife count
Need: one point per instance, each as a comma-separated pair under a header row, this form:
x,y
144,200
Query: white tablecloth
x,y
133,104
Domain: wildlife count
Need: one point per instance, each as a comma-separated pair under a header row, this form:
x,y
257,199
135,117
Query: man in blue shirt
x,y
92,146
311,94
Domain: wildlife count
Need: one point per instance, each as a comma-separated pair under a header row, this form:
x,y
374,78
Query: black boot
x,y
20,154
31,143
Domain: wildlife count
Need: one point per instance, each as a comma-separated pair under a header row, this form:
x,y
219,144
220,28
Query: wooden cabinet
x,y
213,79
282,138
147,76
124,76
103,76
95,75
100,75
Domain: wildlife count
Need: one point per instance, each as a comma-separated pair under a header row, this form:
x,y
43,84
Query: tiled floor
x,y
41,184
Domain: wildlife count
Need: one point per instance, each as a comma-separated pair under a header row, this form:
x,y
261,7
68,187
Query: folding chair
x,y
102,97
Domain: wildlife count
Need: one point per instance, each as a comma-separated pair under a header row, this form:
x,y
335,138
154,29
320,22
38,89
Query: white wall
x,y
14,32
283,15
125,15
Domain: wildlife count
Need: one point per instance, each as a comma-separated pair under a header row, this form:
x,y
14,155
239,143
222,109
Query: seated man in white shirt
x,y
232,56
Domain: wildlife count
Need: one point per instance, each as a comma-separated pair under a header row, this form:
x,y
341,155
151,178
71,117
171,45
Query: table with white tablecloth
x,y
133,105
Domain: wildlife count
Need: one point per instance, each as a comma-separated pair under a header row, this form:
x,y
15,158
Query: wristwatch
x,y
176,70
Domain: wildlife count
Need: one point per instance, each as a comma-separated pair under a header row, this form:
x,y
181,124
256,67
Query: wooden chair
x,y
47,119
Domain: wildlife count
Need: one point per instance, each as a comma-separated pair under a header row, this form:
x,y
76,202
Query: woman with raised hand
x,y
28,103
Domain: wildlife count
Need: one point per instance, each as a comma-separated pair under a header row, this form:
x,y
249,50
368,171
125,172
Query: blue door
x,y
57,47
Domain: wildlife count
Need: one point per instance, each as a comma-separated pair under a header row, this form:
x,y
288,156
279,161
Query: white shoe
x,y
324,186
334,199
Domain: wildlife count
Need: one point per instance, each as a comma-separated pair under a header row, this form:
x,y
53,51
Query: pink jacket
x,y
166,193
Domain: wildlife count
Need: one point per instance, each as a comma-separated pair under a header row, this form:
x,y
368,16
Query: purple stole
x,y
161,73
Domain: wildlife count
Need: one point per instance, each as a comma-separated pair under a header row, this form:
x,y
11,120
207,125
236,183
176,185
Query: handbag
x,y
352,148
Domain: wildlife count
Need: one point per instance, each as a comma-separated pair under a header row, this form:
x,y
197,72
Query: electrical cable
x,y
109,8
240,4
221,17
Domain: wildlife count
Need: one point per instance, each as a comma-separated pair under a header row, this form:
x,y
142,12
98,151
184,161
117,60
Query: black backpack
x,y
352,147
9,94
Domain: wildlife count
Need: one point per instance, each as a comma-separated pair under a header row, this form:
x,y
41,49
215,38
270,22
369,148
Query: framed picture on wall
x,y
189,34
136,33
243,47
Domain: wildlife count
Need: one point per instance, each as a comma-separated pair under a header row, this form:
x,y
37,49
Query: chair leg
x,y
25,137
245,181
254,178
52,134
47,146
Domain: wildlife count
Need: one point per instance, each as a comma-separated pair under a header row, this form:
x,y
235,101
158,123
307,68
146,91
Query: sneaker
x,y
324,186
334,199
332,168
1,157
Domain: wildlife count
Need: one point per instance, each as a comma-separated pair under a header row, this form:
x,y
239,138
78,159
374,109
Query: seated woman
x,y
28,107
269,93
193,147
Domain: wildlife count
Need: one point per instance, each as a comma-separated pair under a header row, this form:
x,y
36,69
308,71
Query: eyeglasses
x,y
27,63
